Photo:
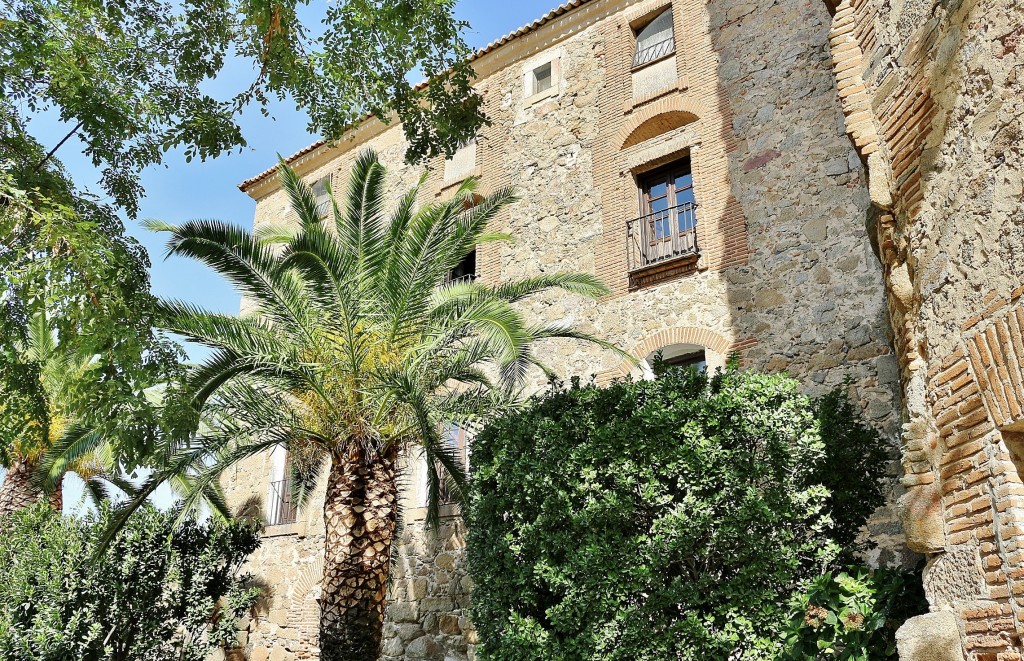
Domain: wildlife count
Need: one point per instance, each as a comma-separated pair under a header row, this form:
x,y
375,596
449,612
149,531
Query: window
x,y
541,81
462,164
542,78
454,440
655,40
695,359
465,271
667,227
323,199
280,509
674,356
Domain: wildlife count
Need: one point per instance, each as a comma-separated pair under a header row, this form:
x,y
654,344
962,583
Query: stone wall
x,y
786,275
933,101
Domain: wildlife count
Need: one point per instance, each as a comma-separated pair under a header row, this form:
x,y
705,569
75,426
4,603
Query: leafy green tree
x,y
130,79
665,519
77,346
359,349
853,468
161,593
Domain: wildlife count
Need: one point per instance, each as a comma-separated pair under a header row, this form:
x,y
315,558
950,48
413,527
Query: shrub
x,y
853,615
156,594
646,520
852,468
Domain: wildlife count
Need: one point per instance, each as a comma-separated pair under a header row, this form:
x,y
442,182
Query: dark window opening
x,y
695,359
465,271
655,40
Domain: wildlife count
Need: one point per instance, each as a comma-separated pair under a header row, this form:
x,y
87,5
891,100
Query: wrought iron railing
x,y
280,509
459,279
661,236
654,51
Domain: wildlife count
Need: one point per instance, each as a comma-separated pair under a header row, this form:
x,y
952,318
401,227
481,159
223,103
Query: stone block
x,y
954,577
424,647
930,637
403,611
921,514
449,624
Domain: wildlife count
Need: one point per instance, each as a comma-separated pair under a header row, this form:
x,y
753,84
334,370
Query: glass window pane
x,y
658,189
659,204
542,78
655,32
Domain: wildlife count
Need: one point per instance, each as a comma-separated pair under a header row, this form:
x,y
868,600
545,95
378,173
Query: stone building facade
x,y
774,181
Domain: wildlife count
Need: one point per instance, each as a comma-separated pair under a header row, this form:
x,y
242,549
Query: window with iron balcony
x,y
664,236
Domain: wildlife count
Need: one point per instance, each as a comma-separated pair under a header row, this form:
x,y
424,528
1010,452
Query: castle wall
x,y
786,275
932,97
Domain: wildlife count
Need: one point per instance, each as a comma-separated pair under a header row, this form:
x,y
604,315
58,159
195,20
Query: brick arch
x,y
679,335
659,117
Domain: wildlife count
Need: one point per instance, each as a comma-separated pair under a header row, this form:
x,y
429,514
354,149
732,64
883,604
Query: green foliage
x,y
65,259
853,469
131,79
647,520
157,595
853,615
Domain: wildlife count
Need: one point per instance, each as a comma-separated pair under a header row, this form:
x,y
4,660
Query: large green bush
x,y
668,519
157,593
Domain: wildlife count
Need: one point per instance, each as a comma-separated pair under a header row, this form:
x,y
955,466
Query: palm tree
x,y
359,350
58,440
63,438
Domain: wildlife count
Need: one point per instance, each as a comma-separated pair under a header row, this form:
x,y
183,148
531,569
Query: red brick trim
x,y
656,118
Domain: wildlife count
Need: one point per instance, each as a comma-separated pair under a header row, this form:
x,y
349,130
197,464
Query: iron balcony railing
x,y
459,279
280,510
661,236
654,51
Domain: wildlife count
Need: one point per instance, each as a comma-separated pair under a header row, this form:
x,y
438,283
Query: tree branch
x,y
58,146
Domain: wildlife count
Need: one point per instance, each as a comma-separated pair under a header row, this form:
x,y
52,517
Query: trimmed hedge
x,y
647,520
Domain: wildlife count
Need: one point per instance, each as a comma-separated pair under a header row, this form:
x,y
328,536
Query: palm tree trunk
x,y
360,513
17,491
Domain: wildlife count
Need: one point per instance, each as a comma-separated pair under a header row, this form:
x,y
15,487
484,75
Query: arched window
x,y
655,40
675,355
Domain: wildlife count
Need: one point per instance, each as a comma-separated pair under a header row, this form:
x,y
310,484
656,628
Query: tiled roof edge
x,y
491,47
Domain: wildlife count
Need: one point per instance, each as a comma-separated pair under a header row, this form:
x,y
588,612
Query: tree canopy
x,y
131,79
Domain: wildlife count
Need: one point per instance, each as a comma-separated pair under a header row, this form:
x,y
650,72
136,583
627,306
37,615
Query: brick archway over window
x,y
704,337
659,117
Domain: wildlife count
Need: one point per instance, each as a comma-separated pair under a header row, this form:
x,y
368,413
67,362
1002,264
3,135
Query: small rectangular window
x,y
655,40
323,199
465,271
542,78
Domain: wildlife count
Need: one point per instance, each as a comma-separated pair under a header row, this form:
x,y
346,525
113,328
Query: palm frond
x,y
79,442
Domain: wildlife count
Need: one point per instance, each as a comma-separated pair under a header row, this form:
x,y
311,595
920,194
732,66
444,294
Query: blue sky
x,y
179,191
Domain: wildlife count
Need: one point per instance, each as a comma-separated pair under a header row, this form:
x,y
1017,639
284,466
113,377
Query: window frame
x,y
656,56
530,93
667,174
321,195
